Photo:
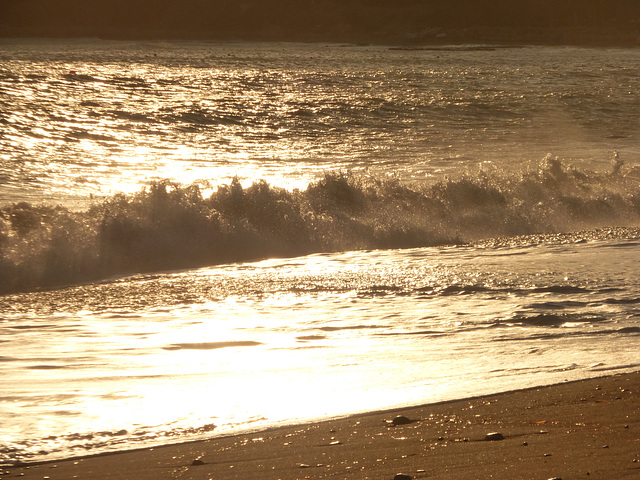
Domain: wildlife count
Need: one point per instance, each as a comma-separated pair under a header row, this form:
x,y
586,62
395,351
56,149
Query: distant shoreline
x,y
505,37
367,22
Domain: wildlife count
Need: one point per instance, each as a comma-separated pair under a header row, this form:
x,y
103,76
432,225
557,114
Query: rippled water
x,y
450,257
156,358
102,117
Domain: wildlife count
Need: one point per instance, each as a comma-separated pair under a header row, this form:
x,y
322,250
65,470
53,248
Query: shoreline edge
x,y
583,429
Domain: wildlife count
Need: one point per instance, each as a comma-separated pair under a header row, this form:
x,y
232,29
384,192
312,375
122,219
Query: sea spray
x,y
171,226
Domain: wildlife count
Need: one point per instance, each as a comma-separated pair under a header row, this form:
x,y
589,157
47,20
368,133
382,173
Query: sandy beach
x,y
576,430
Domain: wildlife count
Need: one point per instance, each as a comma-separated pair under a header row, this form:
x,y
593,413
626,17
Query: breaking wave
x,y
170,226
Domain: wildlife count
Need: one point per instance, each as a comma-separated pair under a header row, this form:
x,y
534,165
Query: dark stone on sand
x,y
197,461
493,436
402,476
401,420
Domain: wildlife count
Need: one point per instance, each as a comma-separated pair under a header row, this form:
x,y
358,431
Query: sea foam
x,y
169,226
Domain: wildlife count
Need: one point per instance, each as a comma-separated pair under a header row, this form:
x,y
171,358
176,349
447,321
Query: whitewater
x,y
199,239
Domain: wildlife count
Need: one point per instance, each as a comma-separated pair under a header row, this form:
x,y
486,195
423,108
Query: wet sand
x,y
579,430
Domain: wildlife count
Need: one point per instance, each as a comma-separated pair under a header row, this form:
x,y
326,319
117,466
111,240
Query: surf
x,y
168,226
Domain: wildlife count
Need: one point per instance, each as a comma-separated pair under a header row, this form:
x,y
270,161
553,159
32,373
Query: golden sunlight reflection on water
x,y
285,340
261,343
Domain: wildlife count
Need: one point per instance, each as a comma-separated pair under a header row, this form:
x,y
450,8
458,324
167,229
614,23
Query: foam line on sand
x,y
588,429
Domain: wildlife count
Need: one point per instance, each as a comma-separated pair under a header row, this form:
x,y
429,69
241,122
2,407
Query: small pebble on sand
x,y
402,476
400,420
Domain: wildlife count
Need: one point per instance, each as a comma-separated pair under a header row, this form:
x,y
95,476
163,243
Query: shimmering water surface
x,y
366,271
104,117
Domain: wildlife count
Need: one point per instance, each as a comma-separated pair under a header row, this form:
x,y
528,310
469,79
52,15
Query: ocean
x,y
200,239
